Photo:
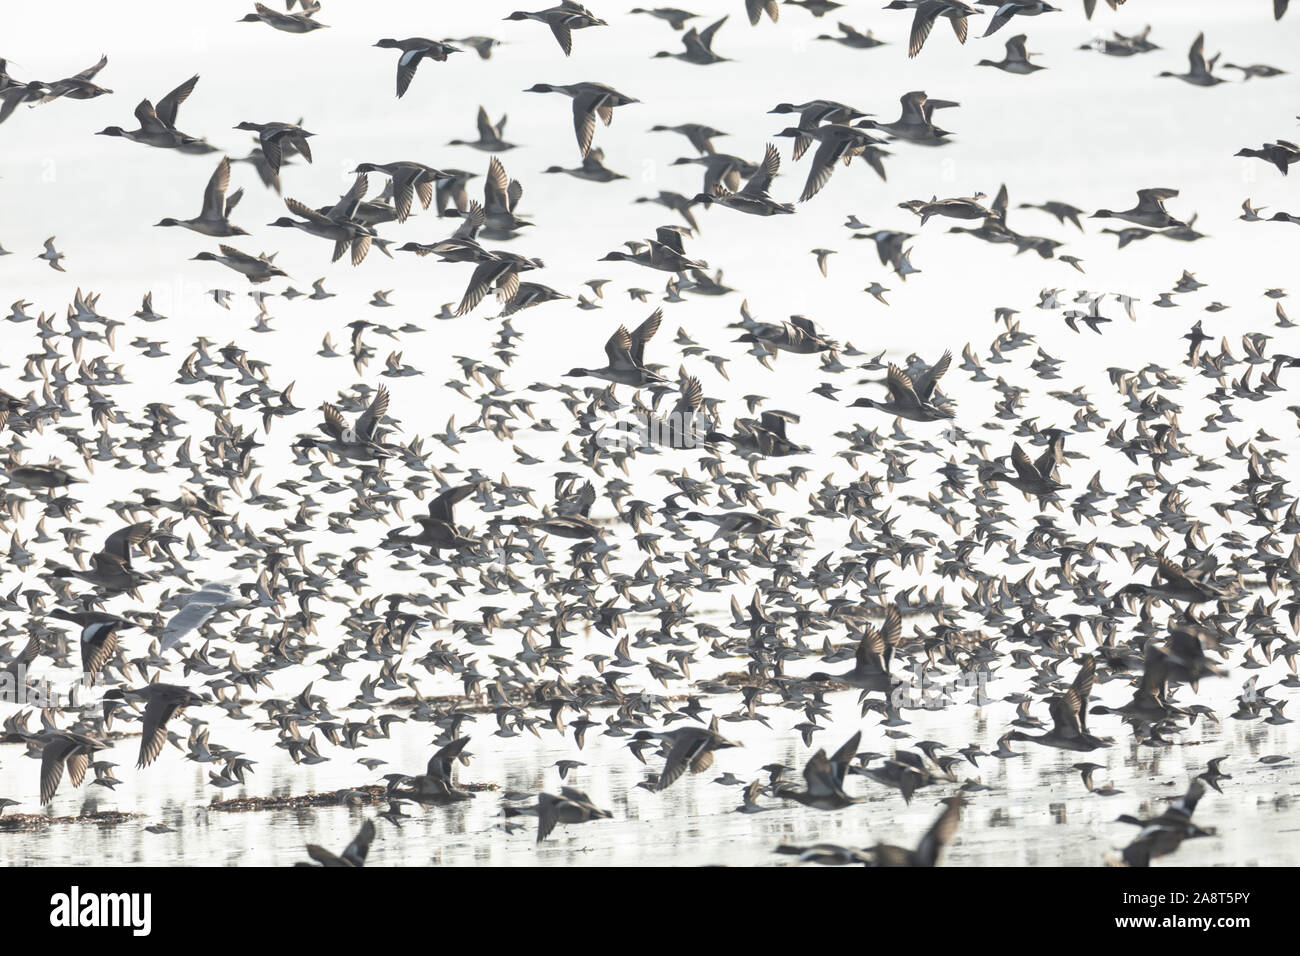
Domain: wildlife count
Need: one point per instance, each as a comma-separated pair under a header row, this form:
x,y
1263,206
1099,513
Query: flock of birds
x,y
505,585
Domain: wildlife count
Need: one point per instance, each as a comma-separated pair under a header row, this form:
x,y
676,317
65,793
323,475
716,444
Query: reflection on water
x,y
1036,811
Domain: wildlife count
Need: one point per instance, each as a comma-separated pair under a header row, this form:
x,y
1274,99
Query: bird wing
x,y
360,846
485,130
346,207
214,196
1196,55
148,119
1001,17
643,334
1082,687
157,712
441,506
371,417
619,346
406,65
53,756
1064,709
671,236
926,381
118,544
187,619
761,181
472,220
1172,572
334,425
922,24
169,104
1046,462
940,834
689,751
563,35
440,764
1024,467
324,857
479,283
547,815
1152,199
97,649
89,72
496,188
584,119
692,396
306,212
841,759
706,38
1185,805
823,166
900,385
819,776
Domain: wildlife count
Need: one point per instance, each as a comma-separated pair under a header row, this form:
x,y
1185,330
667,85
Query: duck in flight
x,y
438,530
872,658
569,806
926,853
1150,210
589,101
359,442
354,854
699,46
1173,583
913,399
409,179
915,122
1006,9
1070,716
304,22
60,749
489,135
338,225
415,49
1032,478
1162,835
1016,59
161,702
689,748
664,252
754,198
838,143
110,569
1199,71
81,86
824,779
626,352
563,20
927,12
276,138
214,218
853,38
98,637
254,268
1281,154
158,124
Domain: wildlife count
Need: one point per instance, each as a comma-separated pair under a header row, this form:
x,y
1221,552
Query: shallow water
x,y
1089,130
1036,811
